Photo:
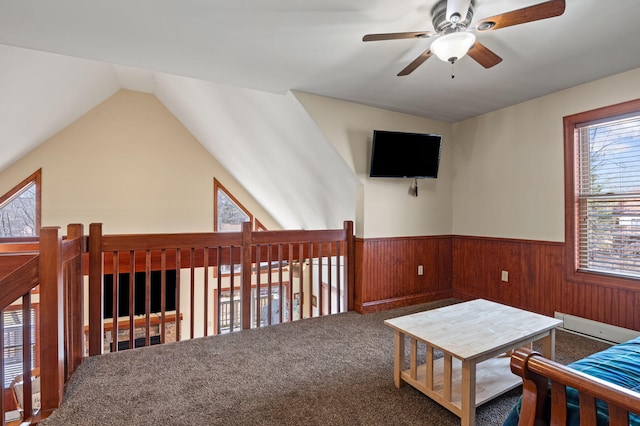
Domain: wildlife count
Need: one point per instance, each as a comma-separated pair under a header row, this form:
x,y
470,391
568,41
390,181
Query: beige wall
x,y
129,164
501,173
385,207
508,165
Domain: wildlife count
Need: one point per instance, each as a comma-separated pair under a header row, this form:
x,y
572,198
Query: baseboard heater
x,y
599,330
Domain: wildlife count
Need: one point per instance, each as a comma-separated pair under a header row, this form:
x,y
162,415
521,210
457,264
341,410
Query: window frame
x,y
36,178
217,186
571,140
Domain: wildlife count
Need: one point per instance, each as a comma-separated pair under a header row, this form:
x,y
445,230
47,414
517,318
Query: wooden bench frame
x,y
537,371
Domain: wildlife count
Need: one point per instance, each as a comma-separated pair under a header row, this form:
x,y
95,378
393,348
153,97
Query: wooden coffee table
x,y
474,337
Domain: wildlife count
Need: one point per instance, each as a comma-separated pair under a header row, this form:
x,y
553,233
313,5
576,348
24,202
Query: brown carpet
x,y
334,370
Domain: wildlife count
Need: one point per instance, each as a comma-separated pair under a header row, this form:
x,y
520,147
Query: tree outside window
x,y
229,214
20,209
603,192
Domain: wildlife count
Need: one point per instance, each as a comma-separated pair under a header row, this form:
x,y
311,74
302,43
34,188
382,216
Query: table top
x,y
471,329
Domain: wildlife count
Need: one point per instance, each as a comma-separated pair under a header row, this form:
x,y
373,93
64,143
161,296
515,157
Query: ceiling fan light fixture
x,y
453,46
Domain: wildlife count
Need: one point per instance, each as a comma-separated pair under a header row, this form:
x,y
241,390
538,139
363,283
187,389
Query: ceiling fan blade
x,y
397,36
483,55
548,9
416,63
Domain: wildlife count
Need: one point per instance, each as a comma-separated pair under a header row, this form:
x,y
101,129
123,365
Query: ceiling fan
x,y
452,25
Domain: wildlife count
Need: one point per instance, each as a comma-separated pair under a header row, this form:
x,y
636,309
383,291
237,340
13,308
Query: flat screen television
x,y
405,155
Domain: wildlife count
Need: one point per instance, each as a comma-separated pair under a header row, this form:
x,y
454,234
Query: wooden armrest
x,y
536,372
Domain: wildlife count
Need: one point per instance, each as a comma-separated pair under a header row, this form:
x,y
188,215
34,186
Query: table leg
x,y
413,358
468,385
429,368
549,345
447,377
398,357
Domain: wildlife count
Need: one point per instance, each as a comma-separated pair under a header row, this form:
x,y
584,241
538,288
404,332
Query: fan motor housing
x,y
439,17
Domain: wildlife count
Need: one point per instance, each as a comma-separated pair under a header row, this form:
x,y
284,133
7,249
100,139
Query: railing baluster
x,y
330,277
206,290
232,287
116,300
2,405
290,295
338,276
178,310
258,297
26,357
281,298
132,293
320,297
245,282
218,301
147,300
192,288
269,284
163,296
301,279
310,284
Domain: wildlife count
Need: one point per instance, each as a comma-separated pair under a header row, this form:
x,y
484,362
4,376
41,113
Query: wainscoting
x,y
471,267
387,272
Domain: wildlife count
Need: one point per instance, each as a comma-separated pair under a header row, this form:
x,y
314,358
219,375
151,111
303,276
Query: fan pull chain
x,y
453,75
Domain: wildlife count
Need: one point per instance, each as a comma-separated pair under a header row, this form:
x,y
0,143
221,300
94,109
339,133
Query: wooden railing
x,y
52,270
264,275
16,286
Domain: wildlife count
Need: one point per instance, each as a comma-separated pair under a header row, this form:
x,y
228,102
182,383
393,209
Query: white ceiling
x,y
82,51
315,46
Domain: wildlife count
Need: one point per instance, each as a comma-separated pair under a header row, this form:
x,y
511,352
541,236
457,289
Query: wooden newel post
x,y
75,299
51,320
96,321
350,264
245,285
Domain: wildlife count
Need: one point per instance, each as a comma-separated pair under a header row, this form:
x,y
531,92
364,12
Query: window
x,y
20,209
229,214
259,226
12,334
602,178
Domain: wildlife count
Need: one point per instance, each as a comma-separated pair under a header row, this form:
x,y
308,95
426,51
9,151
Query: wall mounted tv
x,y
405,155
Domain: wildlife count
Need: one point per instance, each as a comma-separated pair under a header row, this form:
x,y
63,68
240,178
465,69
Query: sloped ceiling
x,y
270,144
59,59
41,93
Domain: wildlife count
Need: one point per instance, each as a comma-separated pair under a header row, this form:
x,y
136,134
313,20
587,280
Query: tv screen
x,y
405,155
139,287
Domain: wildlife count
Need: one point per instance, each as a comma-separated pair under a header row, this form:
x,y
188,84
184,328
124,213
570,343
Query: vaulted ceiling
x,y
59,59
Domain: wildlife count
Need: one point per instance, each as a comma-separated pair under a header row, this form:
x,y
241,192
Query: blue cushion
x,y
619,364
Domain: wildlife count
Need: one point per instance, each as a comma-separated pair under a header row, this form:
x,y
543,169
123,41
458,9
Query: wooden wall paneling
x,y
530,289
564,301
444,283
548,276
388,271
613,306
478,264
468,267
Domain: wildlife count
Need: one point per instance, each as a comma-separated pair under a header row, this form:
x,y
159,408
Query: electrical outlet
x,y
505,276
420,270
